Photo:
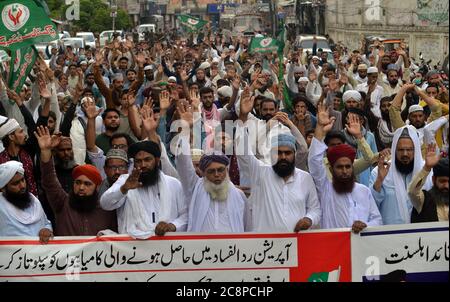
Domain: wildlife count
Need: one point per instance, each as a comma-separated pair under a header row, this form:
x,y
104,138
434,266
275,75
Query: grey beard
x,y
217,192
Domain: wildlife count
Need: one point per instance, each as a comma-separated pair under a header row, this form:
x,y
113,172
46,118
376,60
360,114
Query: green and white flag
x,y
24,23
192,23
22,61
263,45
332,276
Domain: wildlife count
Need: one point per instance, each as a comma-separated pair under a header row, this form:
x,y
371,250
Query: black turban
x,y
147,146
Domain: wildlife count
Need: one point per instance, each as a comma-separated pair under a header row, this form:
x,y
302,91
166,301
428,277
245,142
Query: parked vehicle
x,y
76,43
108,35
41,47
143,28
89,38
306,43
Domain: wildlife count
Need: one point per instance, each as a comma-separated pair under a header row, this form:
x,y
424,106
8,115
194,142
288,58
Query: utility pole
x,y
114,15
316,6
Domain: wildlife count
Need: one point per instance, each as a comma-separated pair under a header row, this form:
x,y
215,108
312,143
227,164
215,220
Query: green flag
x,y
281,43
192,23
24,23
22,61
263,45
332,276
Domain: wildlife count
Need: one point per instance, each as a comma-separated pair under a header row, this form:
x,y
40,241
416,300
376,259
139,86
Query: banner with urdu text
x,y
314,256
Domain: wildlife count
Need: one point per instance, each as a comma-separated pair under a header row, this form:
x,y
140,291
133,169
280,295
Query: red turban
x,y
344,150
89,171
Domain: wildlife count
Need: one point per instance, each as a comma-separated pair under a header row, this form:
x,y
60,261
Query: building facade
x,y
423,24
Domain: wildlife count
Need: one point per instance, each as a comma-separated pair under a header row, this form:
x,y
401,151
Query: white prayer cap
x,y
225,91
8,170
265,71
172,79
299,69
91,61
415,108
362,67
372,70
351,95
196,154
7,126
215,60
303,79
86,99
83,63
316,57
204,65
231,47
148,67
61,95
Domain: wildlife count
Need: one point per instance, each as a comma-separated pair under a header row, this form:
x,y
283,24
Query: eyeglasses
x,y
121,146
118,168
214,171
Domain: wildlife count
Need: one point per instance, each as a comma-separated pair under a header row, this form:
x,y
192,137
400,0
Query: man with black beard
x,y
283,198
385,131
77,213
111,121
430,205
21,213
344,202
389,181
148,202
64,162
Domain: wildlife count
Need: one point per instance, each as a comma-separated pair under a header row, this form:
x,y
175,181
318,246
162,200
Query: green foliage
x,y
94,16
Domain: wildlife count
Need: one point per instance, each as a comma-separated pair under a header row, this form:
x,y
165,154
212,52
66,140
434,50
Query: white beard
x,y
217,192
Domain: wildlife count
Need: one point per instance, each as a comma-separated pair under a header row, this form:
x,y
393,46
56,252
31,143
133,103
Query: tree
x,y
94,15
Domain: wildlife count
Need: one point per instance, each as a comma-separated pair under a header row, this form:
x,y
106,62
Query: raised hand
x,y
164,100
236,82
383,167
353,125
184,76
99,58
186,113
149,120
45,140
12,95
312,76
91,110
194,98
332,85
140,58
132,181
283,118
323,118
432,157
247,102
43,90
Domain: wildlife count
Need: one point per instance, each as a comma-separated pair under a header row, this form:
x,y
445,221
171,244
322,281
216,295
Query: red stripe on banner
x,y
323,252
187,237
149,271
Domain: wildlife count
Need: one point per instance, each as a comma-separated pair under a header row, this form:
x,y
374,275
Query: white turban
x,y
225,91
8,170
351,94
303,79
86,99
372,70
299,69
7,126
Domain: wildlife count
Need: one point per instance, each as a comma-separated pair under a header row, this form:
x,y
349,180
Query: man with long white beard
x,y
389,181
215,204
431,205
148,202
21,213
283,197
344,202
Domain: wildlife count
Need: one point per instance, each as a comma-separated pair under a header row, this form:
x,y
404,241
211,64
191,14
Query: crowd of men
x,y
195,134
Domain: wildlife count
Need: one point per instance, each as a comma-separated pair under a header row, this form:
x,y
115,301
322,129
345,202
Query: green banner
x,y
24,23
264,45
192,23
22,61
